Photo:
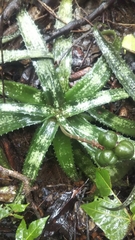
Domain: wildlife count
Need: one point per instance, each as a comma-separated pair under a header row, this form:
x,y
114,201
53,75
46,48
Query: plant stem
x,y
93,143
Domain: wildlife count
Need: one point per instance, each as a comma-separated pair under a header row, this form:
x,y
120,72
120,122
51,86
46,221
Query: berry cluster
x,y
113,151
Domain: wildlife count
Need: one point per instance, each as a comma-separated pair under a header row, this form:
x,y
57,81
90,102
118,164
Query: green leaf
x,y
115,41
101,98
89,84
26,109
18,207
15,55
84,162
132,207
103,182
10,37
5,211
121,70
3,159
119,124
63,70
10,122
22,93
43,68
21,232
79,127
40,143
17,216
34,230
64,154
19,115
8,209
39,146
61,45
114,224
66,16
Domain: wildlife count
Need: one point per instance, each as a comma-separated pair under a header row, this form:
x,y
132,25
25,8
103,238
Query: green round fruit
x,y
106,158
124,150
108,139
97,154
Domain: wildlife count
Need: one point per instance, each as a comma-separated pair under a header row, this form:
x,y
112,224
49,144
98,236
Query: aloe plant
x,y
56,107
62,113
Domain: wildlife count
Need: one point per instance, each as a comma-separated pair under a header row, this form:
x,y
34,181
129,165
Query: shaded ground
x,y
52,182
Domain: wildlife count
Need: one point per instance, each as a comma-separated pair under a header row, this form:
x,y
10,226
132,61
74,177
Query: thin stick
x,y
2,57
19,176
77,23
26,186
45,6
122,24
93,143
